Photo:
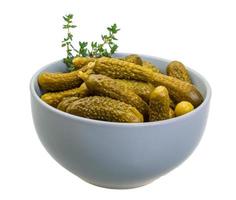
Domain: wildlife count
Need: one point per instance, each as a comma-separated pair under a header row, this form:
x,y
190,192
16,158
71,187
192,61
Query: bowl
x,y
118,155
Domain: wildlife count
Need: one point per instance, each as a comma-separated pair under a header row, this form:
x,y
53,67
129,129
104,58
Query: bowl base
x,y
119,187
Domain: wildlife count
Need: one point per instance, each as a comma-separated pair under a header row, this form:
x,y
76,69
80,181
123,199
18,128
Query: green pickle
x,y
136,59
142,89
54,82
105,86
133,58
183,107
177,69
151,66
159,104
63,105
54,98
79,62
59,81
105,109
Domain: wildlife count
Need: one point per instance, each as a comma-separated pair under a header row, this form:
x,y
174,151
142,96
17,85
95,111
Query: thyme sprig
x,y
107,48
67,41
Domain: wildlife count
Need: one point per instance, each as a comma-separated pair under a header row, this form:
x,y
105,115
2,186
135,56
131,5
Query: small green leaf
x,y
114,48
73,26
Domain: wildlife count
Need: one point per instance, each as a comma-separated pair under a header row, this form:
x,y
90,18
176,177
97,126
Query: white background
x,y
200,33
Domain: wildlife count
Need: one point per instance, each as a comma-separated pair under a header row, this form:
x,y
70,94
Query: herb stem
x,y
97,49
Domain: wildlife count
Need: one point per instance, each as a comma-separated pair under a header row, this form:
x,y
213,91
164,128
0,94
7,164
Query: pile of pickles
x,y
128,90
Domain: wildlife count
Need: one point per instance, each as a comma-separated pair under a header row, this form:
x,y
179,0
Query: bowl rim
x,y
206,100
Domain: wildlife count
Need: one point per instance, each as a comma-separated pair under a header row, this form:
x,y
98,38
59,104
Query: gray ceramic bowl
x,y
118,155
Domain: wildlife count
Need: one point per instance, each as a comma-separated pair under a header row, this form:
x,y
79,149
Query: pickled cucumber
x,y
53,82
177,69
159,104
59,81
54,98
151,66
133,58
66,102
88,68
106,109
136,59
120,69
183,107
79,62
105,86
142,89
179,90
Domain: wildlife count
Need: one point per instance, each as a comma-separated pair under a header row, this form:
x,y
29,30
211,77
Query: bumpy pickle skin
x,y
105,109
88,68
79,62
136,59
133,58
59,81
120,69
142,89
54,98
177,69
159,104
63,105
151,66
53,82
105,86
179,90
